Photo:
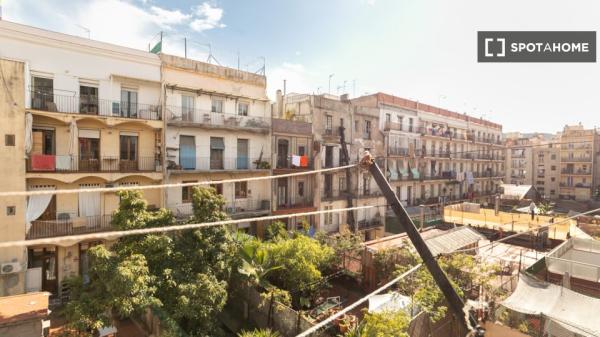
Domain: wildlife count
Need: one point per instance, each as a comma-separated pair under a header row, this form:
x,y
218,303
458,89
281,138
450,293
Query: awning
x,y
217,143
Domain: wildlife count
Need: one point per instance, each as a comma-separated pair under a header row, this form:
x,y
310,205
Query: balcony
x,y
69,226
40,163
581,159
221,164
334,194
575,185
294,162
239,208
576,172
91,105
368,193
297,202
369,224
392,126
179,116
397,151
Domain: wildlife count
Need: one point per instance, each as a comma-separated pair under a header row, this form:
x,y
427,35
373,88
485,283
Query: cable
x,y
548,224
357,303
70,239
160,186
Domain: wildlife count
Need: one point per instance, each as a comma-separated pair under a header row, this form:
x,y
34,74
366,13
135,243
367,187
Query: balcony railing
x,y
398,151
216,119
369,224
368,193
211,163
576,159
393,126
67,164
294,162
575,172
69,226
576,185
334,194
91,105
235,208
297,202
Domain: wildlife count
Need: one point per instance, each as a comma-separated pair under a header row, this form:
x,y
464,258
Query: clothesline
x,y
161,186
68,240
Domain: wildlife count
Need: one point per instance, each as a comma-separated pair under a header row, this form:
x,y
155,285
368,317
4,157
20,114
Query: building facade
x,y
87,115
434,155
218,126
578,162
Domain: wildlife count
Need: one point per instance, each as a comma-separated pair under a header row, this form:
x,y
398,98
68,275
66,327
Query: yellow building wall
x,y
12,169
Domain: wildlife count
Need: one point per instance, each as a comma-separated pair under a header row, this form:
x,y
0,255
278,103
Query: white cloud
x,y
298,79
168,17
207,17
371,2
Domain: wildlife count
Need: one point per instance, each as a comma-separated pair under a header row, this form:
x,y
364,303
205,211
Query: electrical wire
x,y
68,240
546,225
161,186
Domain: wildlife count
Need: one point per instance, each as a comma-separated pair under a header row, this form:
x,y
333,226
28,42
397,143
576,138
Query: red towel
x,y
303,161
42,162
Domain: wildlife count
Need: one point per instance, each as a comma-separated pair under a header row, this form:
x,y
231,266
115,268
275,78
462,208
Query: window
x,y
42,97
552,179
243,109
217,147
186,192
128,103
328,124
410,125
367,134
187,107
328,156
301,188
88,100
11,210
400,123
241,190
301,150
553,157
366,185
217,105
342,183
552,192
356,126
388,118
553,168
128,147
328,216
218,188
89,150
9,140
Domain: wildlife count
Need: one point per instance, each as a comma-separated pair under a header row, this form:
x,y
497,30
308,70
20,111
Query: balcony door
x,y
129,102
89,150
328,156
282,153
187,108
282,187
128,152
88,100
45,259
242,154
42,96
187,152
217,147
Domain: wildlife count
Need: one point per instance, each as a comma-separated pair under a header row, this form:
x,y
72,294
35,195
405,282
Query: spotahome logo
x,y
536,46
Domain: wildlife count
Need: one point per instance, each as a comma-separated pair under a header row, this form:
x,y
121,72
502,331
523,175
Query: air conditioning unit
x,y
9,268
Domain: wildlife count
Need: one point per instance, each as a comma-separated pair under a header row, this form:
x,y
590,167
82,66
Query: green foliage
x,y
464,272
185,272
118,286
386,261
302,259
276,231
545,207
382,324
259,333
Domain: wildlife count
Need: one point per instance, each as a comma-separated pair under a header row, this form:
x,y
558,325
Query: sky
x,y
422,50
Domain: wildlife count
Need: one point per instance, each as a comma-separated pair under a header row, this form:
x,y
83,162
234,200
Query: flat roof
x,y
23,307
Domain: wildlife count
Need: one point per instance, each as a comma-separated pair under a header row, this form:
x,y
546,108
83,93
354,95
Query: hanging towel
x,y
470,178
296,160
42,162
303,161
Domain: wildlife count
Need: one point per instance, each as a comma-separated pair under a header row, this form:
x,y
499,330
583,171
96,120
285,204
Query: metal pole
x,y
454,300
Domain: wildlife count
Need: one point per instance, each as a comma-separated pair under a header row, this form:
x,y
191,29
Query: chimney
x,y
279,101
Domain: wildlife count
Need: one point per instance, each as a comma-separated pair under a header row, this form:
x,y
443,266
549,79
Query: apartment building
x,y
519,161
546,166
578,160
84,114
218,127
340,136
432,154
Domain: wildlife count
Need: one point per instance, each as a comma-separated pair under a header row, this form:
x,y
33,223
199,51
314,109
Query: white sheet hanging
x,y
36,206
28,132
89,202
296,160
73,138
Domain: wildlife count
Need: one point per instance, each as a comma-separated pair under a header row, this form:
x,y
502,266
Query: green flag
x,y
157,47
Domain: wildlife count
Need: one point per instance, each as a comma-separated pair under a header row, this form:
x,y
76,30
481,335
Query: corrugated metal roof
x,y
452,240
515,191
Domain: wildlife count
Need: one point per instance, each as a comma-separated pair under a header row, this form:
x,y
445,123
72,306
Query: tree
x,y
118,286
382,324
188,272
276,231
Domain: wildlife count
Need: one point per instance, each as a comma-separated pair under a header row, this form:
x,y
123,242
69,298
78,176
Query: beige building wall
x,y
12,169
577,163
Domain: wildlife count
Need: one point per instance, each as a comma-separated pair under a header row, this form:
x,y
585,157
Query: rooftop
x,y
23,307
577,256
